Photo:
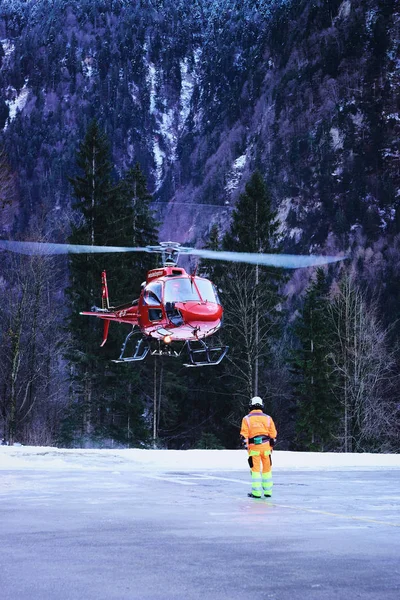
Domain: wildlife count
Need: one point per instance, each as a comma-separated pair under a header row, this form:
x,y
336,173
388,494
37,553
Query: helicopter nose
x,y
201,311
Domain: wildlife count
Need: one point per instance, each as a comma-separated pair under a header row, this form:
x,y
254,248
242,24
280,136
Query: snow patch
x,y
337,138
284,209
58,459
295,234
344,9
159,156
235,173
189,80
393,116
186,90
151,82
134,92
158,153
8,47
168,120
357,119
370,19
391,153
283,212
168,131
337,172
387,215
16,102
87,67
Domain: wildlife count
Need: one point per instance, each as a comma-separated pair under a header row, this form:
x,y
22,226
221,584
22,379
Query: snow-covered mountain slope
x,y
203,93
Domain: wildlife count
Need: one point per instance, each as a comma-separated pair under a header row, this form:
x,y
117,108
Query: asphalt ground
x,y
105,535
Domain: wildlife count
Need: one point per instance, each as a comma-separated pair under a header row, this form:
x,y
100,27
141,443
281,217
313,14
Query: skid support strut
x,y
201,355
141,350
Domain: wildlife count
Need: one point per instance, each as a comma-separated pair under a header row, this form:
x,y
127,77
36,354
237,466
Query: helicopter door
x,y
151,300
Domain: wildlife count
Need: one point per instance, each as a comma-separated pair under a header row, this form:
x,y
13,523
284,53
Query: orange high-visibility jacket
x,y
257,423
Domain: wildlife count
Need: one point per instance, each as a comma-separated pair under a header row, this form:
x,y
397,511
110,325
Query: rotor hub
x,y
169,252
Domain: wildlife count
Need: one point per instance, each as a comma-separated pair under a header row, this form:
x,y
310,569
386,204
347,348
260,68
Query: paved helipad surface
x,y
102,535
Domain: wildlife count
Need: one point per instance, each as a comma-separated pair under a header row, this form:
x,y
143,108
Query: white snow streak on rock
x,y
337,138
344,9
283,212
17,101
134,92
235,173
151,82
158,154
295,233
8,47
169,120
393,116
168,132
87,67
189,79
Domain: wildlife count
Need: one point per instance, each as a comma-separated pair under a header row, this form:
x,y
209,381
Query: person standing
x,y
259,434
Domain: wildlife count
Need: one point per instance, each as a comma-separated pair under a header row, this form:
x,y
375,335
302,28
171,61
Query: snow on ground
x,y
49,458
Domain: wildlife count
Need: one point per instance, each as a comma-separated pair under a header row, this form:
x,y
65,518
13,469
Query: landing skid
x,y
200,354
144,346
141,350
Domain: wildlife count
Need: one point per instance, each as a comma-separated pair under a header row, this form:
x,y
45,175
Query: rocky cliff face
x,y
203,93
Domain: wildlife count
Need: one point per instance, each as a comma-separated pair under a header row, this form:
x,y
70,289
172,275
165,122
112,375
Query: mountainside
x,y
202,93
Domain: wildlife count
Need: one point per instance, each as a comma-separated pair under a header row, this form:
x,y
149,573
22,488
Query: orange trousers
x,y
261,469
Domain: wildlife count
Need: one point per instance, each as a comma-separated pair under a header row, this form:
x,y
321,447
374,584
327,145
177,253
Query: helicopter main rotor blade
x,y
44,248
286,261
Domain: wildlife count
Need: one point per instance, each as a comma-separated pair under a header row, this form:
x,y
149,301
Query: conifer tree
x,y
317,410
106,398
254,225
141,227
251,294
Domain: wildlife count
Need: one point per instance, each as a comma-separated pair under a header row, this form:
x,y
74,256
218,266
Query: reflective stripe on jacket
x,y
257,423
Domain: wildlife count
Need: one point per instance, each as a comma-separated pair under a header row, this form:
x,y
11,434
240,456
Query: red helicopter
x,y
175,311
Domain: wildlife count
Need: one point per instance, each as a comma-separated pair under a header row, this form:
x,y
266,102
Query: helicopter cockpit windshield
x,y
207,290
183,290
180,290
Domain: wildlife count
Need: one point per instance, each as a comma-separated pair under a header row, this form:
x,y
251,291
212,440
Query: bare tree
x,y
364,367
31,367
251,318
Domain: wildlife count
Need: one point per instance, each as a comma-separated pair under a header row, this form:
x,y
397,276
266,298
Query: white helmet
x,y
256,401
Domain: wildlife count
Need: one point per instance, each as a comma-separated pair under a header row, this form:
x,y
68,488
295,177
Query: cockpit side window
x,y
152,294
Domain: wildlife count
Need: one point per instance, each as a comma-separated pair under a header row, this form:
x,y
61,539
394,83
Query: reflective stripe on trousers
x,y
261,473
